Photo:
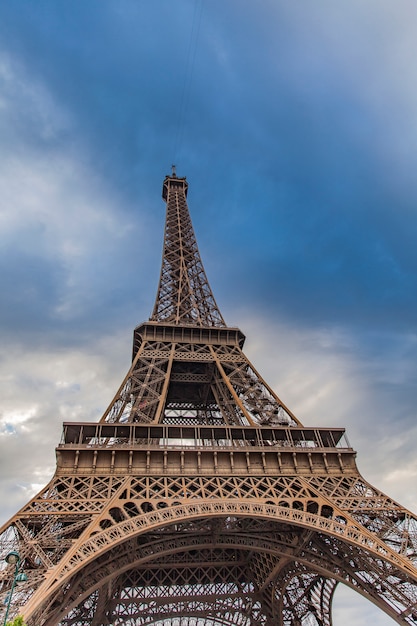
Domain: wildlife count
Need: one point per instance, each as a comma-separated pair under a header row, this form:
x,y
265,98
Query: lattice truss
x,y
280,563
191,384
112,544
184,295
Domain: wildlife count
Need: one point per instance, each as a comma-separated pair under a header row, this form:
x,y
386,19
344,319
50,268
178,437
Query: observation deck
x,y
169,449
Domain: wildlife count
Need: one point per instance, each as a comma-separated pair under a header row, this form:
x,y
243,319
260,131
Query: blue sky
x,y
295,123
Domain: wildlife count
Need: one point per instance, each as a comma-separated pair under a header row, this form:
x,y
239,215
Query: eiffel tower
x,y
199,498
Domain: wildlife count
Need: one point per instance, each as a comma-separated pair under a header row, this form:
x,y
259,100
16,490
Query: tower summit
x,y
199,497
184,295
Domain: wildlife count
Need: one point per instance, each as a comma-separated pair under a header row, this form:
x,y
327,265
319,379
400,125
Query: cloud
x,y
334,377
66,236
351,608
41,387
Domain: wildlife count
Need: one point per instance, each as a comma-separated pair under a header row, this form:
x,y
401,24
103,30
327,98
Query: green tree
x,y
18,621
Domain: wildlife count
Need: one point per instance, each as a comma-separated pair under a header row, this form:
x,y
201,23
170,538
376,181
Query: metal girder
x,y
199,498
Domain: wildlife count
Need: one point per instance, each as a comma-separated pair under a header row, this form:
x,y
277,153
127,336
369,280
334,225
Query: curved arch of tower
x,y
199,497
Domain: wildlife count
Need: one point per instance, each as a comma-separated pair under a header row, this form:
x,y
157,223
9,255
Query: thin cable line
x,y
189,69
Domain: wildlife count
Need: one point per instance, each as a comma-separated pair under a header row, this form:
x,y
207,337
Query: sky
x,y
295,123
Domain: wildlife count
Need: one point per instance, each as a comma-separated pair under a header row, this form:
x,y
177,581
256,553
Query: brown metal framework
x,y
199,498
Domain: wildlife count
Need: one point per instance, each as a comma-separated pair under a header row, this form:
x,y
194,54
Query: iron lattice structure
x,y
199,498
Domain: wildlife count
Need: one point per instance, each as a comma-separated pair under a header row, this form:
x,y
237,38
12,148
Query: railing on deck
x,y
87,435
